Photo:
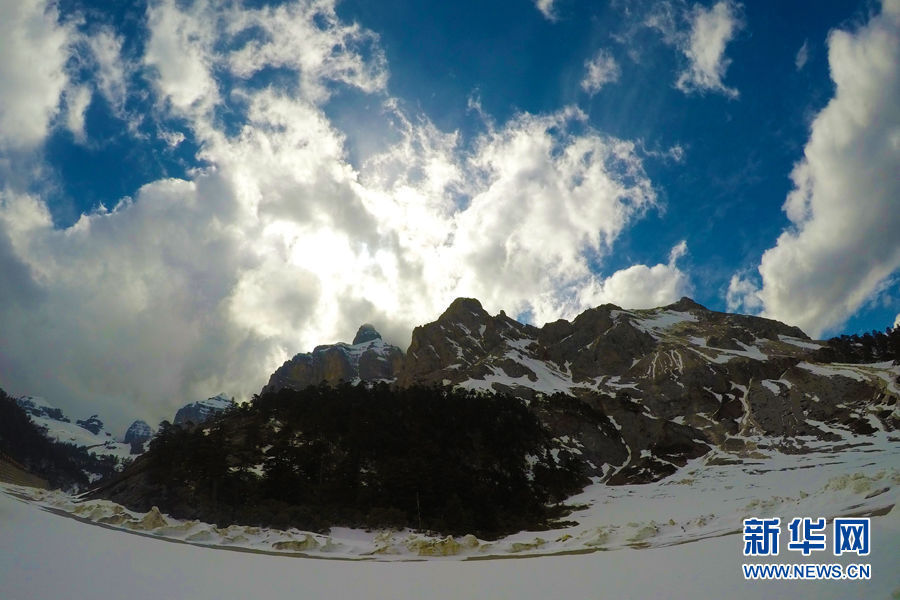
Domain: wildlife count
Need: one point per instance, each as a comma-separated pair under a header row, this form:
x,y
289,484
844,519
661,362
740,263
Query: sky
x,y
192,192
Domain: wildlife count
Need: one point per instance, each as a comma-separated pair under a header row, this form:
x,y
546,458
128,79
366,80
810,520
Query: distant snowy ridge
x,y
88,433
202,410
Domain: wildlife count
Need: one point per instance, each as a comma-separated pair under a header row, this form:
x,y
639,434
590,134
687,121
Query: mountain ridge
x,y
619,396
700,378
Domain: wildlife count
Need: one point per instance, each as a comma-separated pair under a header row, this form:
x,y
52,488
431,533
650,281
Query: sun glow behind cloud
x,y
276,242
277,233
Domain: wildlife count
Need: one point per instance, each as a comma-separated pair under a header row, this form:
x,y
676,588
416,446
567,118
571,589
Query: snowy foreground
x,y
679,538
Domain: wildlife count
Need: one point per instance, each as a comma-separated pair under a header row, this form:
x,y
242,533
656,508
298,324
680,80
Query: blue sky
x,y
191,192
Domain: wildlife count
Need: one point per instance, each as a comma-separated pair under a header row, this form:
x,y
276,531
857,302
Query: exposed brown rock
x,y
369,358
655,387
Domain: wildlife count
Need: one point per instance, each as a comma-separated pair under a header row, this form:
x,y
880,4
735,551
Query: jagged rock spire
x,y
366,333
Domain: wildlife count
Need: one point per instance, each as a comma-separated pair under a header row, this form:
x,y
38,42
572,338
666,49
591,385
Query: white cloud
x,y
802,56
599,71
130,306
710,31
33,53
171,138
77,100
207,284
305,37
547,202
640,286
897,321
515,221
178,54
678,250
112,68
843,243
547,9
742,294
202,285
309,37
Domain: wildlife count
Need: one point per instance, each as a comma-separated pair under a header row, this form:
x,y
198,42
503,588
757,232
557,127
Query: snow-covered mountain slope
x,y
198,412
677,538
710,497
59,427
368,358
703,419
90,433
673,381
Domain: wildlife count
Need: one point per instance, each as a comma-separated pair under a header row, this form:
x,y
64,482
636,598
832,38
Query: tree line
x,y
62,465
428,458
875,346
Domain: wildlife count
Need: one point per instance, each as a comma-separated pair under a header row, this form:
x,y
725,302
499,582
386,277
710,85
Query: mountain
x,y
84,433
202,410
671,381
68,455
138,432
614,396
137,435
367,359
39,408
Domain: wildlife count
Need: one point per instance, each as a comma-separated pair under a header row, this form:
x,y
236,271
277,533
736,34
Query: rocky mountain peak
x,y
138,432
677,379
368,358
88,434
466,312
460,340
366,333
198,412
685,304
464,306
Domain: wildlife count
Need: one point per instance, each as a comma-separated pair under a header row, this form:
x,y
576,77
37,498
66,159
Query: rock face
x,y
660,386
92,424
198,412
137,435
38,407
638,393
138,432
368,358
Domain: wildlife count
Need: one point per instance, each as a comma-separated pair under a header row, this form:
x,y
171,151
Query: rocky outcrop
x,y
92,424
368,358
38,407
464,342
138,432
199,412
137,435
